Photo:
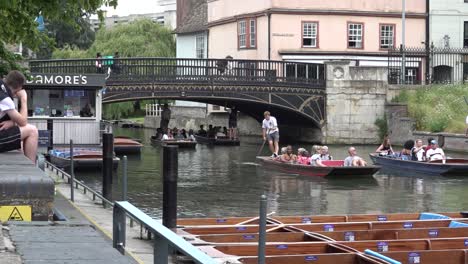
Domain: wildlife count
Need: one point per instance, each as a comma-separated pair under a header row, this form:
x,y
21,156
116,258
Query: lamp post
x,y
403,40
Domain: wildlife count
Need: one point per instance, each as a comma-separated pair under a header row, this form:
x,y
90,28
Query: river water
x,y
226,181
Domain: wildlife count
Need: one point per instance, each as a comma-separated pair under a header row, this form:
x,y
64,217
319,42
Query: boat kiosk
x,y
72,101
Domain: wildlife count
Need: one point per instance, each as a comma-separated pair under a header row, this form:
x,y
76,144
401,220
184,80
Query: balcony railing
x,y
197,71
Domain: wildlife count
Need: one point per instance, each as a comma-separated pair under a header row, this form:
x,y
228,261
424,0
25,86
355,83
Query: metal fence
x,y
427,65
176,70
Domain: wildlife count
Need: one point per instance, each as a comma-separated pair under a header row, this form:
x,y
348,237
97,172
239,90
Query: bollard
x,y
124,179
50,128
262,230
170,172
107,159
119,229
72,173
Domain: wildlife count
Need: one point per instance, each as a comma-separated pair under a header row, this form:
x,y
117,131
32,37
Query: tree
x,y
17,20
140,38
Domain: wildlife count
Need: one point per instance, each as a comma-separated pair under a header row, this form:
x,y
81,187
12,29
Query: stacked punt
x,y
425,238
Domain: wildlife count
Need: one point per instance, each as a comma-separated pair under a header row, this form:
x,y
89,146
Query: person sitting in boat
x,y
385,148
177,134
418,152
302,158
289,156
428,147
183,132
353,160
219,133
159,133
225,131
202,132
191,136
324,155
211,131
316,159
435,153
167,135
405,153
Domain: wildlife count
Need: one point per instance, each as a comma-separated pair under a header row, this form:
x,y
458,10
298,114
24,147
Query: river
x,y
226,181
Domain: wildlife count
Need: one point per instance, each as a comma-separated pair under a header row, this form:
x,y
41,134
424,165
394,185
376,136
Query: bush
x,y
437,108
382,126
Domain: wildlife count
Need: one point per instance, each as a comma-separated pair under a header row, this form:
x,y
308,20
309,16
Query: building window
x,y
309,34
61,103
465,35
247,33
387,36
200,46
253,28
355,35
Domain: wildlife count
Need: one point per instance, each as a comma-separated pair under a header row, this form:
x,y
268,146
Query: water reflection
x,y
226,181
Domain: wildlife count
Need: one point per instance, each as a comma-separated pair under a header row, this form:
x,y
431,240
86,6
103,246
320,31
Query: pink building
x,y
313,30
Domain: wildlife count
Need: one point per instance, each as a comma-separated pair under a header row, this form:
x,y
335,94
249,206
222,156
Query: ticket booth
x,y
72,101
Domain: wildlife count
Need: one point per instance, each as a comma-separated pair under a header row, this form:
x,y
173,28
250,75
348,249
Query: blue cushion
x,y
380,256
455,224
432,216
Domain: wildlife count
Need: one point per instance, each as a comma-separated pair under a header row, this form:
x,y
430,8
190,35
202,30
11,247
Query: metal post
x,y
170,172
50,128
403,41
161,250
107,160
124,179
72,173
118,229
262,230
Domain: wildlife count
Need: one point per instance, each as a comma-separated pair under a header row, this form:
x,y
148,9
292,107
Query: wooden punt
x,y
217,141
180,143
187,222
334,168
125,145
83,158
452,167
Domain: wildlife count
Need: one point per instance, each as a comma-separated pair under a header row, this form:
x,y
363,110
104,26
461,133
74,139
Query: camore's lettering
x,y
52,79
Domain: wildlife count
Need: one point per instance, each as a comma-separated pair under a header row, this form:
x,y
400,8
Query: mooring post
x,y
72,173
170,172
124,178
50,128
107,160
262,230
119,229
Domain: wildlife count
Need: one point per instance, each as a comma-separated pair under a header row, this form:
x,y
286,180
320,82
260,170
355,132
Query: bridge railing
x,y
176,70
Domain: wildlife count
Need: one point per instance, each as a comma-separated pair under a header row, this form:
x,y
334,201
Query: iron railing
x,y
427,66
203,71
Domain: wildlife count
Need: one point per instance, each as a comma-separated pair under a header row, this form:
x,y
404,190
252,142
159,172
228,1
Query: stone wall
x,y
356,97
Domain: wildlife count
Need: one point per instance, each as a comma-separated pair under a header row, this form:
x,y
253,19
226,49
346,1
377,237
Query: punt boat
x,y
427,238
220,141
182,143
334,168
452,167
83,158
126,145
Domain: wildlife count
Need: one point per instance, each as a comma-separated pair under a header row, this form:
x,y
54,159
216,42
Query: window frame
x,y
317,24
380,35
248,36
362,34
198,48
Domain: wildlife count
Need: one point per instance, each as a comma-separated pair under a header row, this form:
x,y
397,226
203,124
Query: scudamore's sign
x,y
90,80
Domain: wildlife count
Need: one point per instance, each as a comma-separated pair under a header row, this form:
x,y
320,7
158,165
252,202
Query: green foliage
x,y
437,108
382,125
140,38
117,110
18,24
70,52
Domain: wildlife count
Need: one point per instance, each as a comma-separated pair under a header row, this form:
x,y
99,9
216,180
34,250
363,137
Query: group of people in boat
x,y
174,134
320,154
414,150
213,132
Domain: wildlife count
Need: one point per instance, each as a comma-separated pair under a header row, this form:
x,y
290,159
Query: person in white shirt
x,y
435,153
417,152
353,160
271,132
316,159
14,127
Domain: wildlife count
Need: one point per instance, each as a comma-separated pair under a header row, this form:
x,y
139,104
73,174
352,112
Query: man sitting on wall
x,y
14,127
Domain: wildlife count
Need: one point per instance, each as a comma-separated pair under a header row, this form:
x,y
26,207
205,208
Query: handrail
x,y
163,238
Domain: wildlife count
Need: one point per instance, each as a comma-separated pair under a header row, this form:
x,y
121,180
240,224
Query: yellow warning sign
x,y
15,213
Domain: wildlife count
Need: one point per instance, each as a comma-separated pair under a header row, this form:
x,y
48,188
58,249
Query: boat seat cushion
x,y
456,224
333,163
432,216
